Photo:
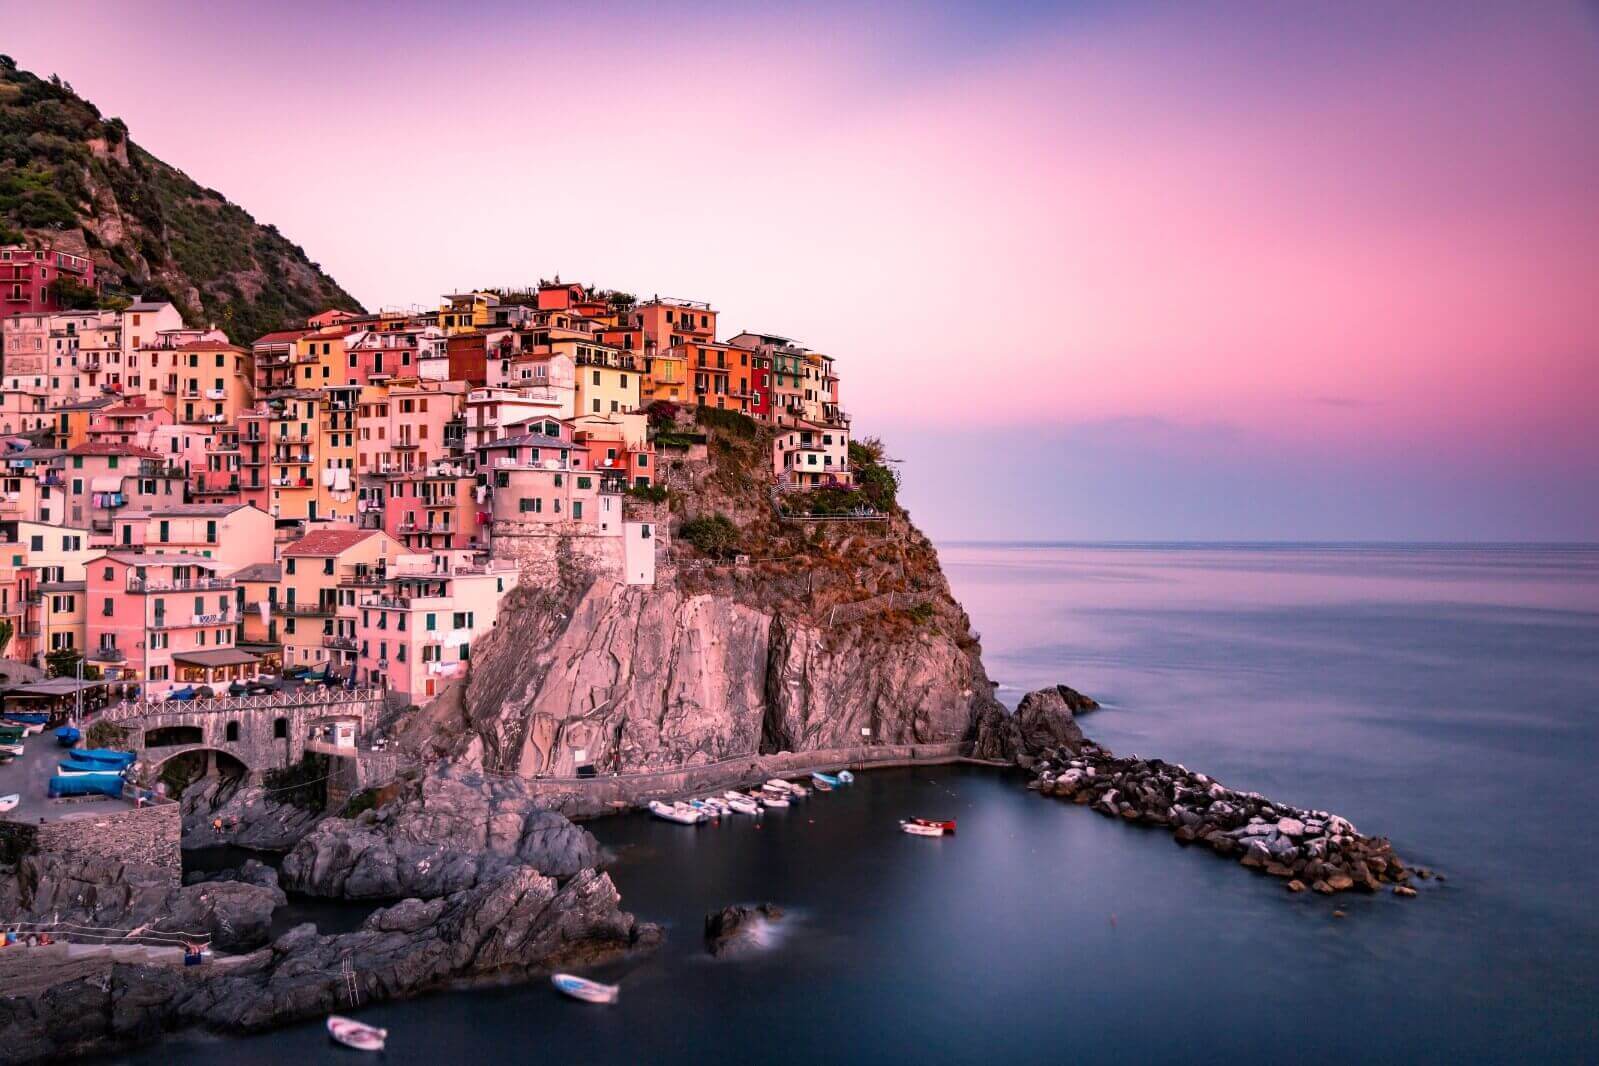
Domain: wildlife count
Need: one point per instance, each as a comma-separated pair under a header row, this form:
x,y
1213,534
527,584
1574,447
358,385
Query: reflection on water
x,y
1442,696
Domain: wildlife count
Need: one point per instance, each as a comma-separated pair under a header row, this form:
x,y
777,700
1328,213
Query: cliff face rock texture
x,y
452,831
108,895
635,678
250,817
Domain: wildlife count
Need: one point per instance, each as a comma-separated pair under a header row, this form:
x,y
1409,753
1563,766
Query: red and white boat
x,y
948,827
919,830
358,1035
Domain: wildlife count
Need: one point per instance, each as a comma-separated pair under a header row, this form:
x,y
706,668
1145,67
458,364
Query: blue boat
x,y
845,776
826,779
67,736
181,694
86,785
68,767
30,717
107,757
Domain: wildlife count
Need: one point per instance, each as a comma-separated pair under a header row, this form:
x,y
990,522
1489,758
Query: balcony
x,y
216,394
106,655
161,620
325,609
339,643
197,584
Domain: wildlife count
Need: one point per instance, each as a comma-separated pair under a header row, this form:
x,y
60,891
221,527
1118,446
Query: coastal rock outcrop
x,y
450,831
515,925
104,895
735,929
249,815
1304,847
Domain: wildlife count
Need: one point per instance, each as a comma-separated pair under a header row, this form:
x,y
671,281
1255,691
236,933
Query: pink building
x,y
417,633
133,423
159,619
436,510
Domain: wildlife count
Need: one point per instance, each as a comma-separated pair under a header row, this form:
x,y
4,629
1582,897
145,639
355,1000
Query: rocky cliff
x,y
801,636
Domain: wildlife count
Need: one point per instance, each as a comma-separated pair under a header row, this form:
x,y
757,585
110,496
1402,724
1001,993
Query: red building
x,y
28,277
468,354
761,387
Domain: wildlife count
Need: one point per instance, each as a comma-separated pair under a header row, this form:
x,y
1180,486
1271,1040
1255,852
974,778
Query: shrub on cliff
x,y
730,421
877,481
714,535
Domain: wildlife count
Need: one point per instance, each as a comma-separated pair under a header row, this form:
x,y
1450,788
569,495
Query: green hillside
x,y
76,179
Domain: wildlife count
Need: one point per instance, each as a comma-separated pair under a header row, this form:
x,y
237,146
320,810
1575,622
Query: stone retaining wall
x,y
148,835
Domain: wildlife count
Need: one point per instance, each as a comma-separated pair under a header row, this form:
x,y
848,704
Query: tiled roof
x,y
282,336
536,440
192,510
259,572
327,541
95,447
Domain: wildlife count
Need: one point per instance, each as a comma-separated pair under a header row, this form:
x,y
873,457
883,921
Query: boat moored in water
x,y
9,803
845,777
947,826
358,1035
681,813
584,989
775,799
920,830
818,778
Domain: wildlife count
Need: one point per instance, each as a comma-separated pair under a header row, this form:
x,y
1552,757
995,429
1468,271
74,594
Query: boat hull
x,y
354,1034
584,990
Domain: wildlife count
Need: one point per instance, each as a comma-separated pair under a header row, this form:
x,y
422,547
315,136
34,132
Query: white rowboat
x,y
358,1035
584,989
679,813
9,803
917,829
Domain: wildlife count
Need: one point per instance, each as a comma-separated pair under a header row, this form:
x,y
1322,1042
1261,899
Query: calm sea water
x,y
1446,697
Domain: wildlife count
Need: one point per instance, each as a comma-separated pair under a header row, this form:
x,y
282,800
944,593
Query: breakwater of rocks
x,y
1307,848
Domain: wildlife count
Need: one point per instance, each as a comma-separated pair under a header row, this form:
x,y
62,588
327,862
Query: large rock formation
x,y
629,678
249,816
104,895
451,831
515,925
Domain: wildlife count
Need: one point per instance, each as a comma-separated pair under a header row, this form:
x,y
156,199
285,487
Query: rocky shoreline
x,y
481,884
1309,849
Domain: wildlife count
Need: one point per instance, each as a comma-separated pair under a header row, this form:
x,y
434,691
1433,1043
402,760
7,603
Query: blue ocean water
x,y
1447,697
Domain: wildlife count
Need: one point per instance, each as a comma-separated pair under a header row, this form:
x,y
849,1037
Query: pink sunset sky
x,y
1095,271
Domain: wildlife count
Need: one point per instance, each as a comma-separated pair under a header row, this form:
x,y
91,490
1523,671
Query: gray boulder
x,y
443,834
249,815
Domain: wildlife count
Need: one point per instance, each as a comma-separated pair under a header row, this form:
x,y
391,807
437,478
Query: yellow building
x,y
311,461
317,594
609,380
464,312
321,360
666,377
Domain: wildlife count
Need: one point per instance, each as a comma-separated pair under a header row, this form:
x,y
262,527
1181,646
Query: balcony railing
x,y
339,643
106,655
215,618
309,610
196,584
